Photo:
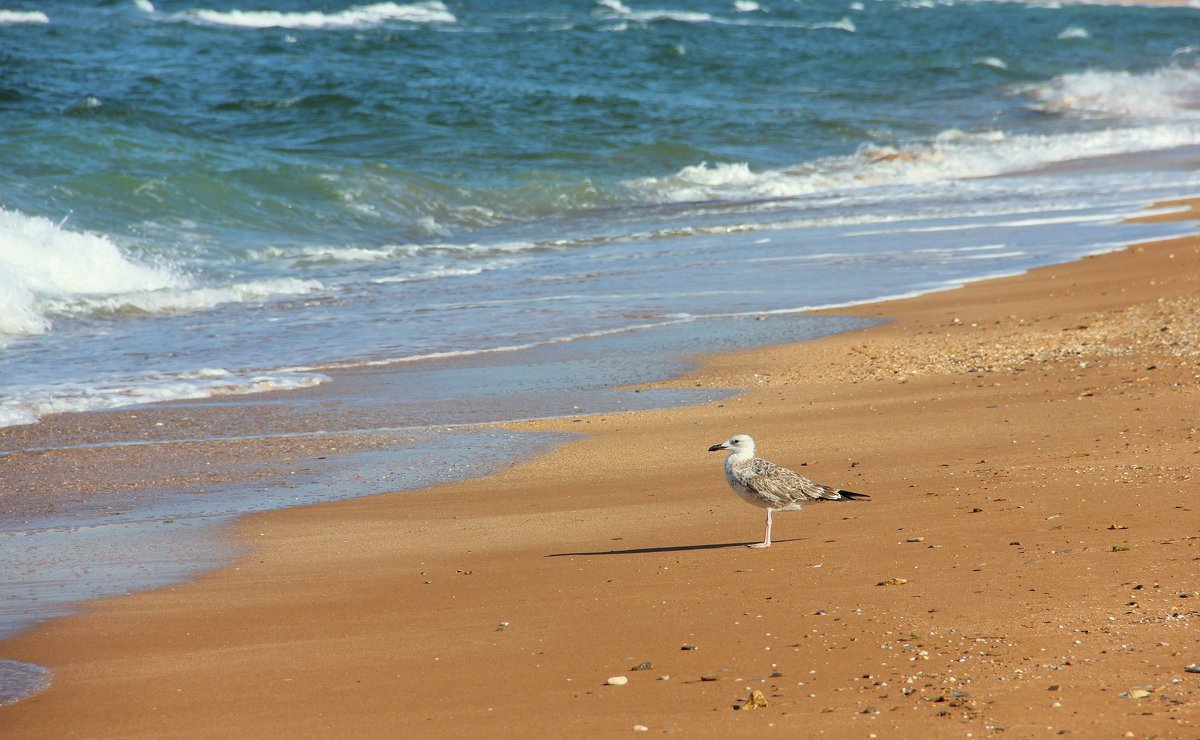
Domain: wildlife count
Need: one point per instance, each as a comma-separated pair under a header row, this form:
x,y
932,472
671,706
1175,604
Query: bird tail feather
x,y
852,496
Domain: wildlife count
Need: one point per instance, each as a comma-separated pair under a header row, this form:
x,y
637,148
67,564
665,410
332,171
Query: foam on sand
x,y
27,406
20,680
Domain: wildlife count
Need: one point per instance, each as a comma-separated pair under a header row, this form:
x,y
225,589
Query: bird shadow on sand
x,y
673,548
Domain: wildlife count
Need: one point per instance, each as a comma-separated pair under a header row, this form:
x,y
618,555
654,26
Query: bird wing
x,y
779,484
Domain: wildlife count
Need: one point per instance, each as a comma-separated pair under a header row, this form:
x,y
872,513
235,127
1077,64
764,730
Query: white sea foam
x,y
333,255
430,274
47,271
27,406
993,62
952,155
1168,93
18,316
647,16
178,300
1074,32
617,10
144,5
746,6
19,17
358,16
842,24
1015,223
41,260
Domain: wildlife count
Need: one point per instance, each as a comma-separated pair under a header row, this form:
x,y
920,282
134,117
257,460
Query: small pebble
x,y
915,539
688,647
643,666
709,678
1193,668
617,681
756,700
664,677
641,728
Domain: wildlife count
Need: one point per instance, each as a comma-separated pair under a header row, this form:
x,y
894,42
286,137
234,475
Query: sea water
x,y
202,198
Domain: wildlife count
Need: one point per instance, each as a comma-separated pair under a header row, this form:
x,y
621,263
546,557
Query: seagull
x,y
771,486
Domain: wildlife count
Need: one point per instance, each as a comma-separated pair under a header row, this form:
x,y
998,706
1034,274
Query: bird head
x,y
739,444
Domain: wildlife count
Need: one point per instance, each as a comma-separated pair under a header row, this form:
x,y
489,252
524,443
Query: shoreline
x,y
515,570
127,500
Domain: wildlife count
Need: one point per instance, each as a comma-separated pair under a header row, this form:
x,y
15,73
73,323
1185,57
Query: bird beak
x,y
721,446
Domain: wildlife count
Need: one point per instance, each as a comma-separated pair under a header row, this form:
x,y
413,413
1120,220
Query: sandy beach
x,y
1026,567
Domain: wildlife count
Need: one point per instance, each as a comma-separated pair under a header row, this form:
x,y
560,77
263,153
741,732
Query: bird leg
x,y
767,539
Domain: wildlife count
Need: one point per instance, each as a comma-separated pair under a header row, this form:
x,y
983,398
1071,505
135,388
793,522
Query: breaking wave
x,y
358,16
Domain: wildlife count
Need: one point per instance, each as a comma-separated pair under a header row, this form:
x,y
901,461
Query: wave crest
x,y
41,260
952,155
19,17
48,271
358,16
1168,93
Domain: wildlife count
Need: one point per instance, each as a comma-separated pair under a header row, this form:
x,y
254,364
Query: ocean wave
x,y
993,62
952,155
617,10
358,16
1168,93
20,17
27,406
622,10
1074,32
48,271
177,300
305,256
41,260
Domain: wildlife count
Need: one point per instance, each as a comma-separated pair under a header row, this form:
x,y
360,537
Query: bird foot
x,y
758,545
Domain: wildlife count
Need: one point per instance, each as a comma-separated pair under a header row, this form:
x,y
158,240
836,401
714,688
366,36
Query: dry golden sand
x,y
1033,448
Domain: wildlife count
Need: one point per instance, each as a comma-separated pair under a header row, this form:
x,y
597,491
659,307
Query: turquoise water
x,y
204,198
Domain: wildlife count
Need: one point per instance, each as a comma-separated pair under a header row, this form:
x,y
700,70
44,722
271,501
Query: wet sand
x,y
1026,567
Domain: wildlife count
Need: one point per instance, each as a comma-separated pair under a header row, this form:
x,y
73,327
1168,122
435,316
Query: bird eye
x,y
733,441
